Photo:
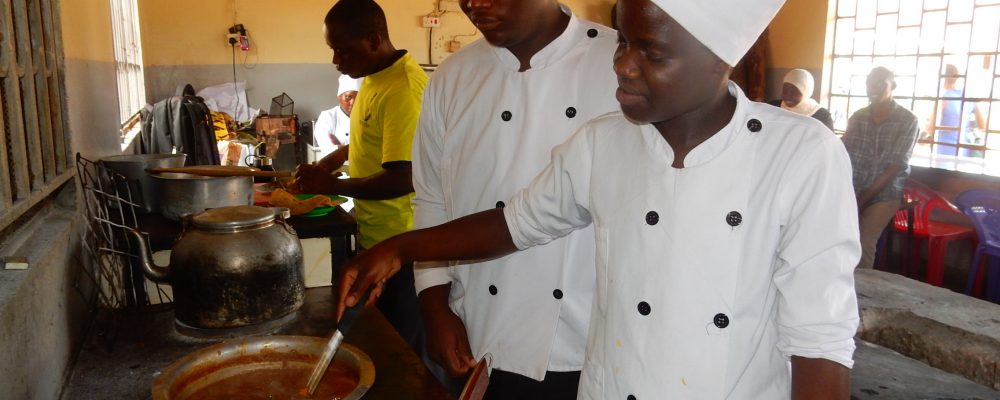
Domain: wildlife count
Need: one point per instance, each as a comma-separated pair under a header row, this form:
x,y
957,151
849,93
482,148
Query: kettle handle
x,y
253,153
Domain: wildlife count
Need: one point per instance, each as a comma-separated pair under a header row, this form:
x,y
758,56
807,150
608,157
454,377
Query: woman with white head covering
x,y
333,126
796,92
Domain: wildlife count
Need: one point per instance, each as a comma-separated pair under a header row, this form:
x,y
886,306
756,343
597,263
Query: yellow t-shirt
x,y
383,121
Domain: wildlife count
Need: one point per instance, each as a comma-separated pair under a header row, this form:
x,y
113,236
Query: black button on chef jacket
x,y
652,218
644,308
734,218
721,320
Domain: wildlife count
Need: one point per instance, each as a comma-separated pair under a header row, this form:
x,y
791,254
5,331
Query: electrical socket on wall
x,y
430,21
232,39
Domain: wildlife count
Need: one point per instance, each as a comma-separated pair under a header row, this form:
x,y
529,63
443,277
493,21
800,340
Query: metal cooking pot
x,y
133,167
185,377
187,193
231,267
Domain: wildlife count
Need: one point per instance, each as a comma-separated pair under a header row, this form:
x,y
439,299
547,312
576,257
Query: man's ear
x,y
373,40
893,84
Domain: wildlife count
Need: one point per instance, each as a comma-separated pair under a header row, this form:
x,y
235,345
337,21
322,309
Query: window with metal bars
x,y
34,152
944,54
128,58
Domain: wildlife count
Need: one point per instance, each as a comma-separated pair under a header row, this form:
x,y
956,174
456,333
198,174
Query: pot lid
x,y
232,217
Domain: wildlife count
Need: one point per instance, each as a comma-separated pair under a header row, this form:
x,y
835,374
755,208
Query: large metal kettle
x,y
231,267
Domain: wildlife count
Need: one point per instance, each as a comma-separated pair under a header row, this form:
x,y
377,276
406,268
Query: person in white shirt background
x,y
725,229
334,125
490,116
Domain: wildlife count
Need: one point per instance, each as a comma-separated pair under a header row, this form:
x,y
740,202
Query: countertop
x,y
146,343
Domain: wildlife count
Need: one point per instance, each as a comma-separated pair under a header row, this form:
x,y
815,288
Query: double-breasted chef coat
x,y
485,131
709,277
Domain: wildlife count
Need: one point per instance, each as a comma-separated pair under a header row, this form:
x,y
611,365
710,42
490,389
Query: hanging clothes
x,y
180,124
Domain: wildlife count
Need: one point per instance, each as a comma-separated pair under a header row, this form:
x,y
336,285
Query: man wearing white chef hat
x,y
726,233
334,125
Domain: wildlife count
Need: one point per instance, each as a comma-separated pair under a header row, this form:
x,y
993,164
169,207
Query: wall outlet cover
x,y
430,21
15,262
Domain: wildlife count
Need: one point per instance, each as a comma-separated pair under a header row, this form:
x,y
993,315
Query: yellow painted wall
x,y
86,30
192,32
797,35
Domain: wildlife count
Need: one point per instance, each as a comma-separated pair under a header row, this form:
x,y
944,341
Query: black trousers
x,y
398,303
510,386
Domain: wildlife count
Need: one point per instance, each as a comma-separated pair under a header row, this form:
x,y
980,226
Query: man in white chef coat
x,y
726,229
490,116
333,126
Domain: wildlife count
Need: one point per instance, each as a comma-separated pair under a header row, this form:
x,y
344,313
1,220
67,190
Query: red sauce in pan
x,y
282,384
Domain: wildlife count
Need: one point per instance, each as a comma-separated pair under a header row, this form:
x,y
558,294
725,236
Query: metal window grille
x,y
128,57
34,153
917,39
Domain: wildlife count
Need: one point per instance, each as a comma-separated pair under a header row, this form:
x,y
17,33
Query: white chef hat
x,y
802,80
727,27
346,84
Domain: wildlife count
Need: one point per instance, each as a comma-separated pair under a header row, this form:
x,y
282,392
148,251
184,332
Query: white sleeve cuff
x,y
841,352
430,274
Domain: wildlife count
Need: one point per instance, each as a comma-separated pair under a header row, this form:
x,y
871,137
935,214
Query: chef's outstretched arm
x,y
473,237
819,379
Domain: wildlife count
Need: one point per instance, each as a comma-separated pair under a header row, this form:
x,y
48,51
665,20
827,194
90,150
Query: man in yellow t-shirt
x,y
383,121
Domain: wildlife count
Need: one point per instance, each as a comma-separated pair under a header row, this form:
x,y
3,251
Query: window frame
x,y
842,98
35,153
129,71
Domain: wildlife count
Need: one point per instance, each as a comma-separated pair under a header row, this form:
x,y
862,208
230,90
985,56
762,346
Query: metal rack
x,y
112,282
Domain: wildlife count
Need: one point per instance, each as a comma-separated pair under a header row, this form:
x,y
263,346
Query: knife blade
x,y
336,338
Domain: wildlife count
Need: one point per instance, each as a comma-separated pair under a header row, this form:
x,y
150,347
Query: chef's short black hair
x,y
360,17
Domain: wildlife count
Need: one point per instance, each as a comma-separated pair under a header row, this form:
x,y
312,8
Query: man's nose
x,y
623,64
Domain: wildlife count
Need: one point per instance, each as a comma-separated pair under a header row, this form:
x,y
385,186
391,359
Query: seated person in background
x,y
879,139
796,92
956,121
334,125
726,232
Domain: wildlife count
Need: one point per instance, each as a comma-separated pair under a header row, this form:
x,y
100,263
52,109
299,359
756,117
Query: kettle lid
x,y
232,217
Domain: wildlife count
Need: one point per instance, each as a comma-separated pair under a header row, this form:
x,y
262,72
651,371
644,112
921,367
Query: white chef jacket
x,y
711,276
485,131
333,121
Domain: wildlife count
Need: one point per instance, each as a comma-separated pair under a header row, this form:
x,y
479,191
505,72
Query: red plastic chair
x,y
936,234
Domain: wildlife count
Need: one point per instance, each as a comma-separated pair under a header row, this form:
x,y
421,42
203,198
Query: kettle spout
x,y
152,271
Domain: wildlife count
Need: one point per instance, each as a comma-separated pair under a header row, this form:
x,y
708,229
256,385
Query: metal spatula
x,y
346,321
